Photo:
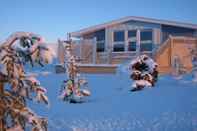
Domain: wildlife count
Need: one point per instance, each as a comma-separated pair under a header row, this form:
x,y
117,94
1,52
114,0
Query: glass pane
x,y
146,46
146,35
118,36
118,47
100,35
100,46
132,46
131,33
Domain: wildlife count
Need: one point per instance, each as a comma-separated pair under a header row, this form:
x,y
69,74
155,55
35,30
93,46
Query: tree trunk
x,y
2,111
2,125
1,88
2,122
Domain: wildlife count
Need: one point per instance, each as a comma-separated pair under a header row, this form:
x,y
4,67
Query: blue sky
x,y
54,18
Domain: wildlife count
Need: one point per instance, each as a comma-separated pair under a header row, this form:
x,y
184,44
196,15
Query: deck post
x,y
109,56
94,53
138,43
80,49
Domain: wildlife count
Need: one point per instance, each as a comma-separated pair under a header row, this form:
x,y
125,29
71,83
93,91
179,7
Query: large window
x,y
119,36
146,43
119,47
132,40
100,46
132,46
146,35
100,38
132,34
146,46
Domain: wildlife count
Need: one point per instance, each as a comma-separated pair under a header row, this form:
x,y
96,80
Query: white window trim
x,y
137,39
128,47
131,39
147,41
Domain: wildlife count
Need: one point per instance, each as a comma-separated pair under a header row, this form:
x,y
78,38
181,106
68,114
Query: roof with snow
x,y
125,19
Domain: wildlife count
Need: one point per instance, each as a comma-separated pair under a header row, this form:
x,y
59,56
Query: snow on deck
x,y
170,106
99,65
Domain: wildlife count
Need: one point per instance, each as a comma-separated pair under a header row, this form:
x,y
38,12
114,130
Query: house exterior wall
x,y
98,34
176,31
159,34
130,25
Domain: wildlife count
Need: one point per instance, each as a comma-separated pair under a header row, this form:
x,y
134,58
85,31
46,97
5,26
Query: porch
x,y
87,51
93,61
175,50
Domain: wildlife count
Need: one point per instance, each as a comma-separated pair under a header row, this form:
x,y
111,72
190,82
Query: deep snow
x,y
170,106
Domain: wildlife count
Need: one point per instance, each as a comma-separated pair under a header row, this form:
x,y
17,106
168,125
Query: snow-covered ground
x,y
170,106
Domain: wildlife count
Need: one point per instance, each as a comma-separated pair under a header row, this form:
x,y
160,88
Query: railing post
x,y
80,49
94,54
109,55
138,43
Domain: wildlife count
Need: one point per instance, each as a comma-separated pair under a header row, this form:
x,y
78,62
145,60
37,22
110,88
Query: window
x,y
132,46
119,47
119,36
100,46
132,34
146,46
132,40
146,35
146,43
100,37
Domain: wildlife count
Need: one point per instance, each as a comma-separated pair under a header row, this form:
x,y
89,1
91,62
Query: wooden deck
x,y
175,47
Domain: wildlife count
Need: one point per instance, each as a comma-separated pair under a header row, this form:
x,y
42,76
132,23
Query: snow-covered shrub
x,y
143,71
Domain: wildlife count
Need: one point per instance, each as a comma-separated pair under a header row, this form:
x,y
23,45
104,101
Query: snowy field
x,y
170,106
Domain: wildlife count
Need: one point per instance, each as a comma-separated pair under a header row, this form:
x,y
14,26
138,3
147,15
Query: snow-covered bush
x,y
16,87
143,71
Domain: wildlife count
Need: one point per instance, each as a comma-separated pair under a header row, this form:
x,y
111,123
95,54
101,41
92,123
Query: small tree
x,y
71,87
16,86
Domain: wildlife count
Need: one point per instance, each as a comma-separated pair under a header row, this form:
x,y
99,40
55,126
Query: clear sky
x,y
54,18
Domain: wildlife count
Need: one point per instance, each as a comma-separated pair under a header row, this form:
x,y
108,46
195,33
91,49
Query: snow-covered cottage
x,y
123,39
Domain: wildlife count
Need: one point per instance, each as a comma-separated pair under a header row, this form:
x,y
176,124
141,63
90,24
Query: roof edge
x,y
136,18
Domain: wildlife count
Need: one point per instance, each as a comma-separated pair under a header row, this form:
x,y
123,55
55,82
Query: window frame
x,y
119,43
116,31
146,41
129,46
99,42
132,39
